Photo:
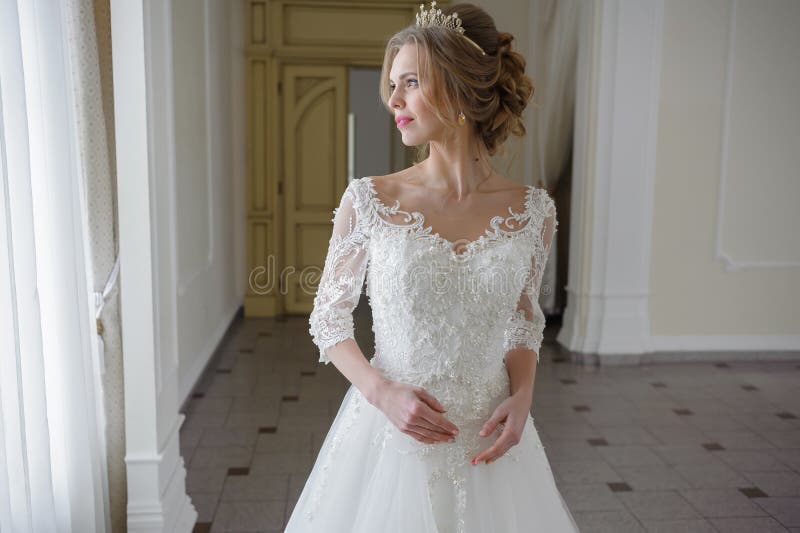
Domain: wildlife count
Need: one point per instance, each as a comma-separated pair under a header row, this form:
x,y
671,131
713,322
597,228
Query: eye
x,y
412,80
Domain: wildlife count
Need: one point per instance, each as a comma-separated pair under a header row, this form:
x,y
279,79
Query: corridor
x,y
689,447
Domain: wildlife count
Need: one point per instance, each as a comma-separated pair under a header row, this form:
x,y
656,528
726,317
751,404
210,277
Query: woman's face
x,y
406,100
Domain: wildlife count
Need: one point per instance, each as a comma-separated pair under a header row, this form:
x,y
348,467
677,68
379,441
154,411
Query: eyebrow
x,y
404,75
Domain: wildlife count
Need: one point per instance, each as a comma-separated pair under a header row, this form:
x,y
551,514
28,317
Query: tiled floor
x,y
690,447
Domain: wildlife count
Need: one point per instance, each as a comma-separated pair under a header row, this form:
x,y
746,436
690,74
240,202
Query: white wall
x,y
209,181
682,235
725,265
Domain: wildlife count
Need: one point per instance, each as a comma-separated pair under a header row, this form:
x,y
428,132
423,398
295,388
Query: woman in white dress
x,y
435,433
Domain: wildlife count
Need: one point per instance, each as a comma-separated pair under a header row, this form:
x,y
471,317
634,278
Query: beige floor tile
x,y
658,505
254,487
248,516
721,503
608,522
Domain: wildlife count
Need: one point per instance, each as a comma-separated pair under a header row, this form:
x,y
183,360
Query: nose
x,y
395,102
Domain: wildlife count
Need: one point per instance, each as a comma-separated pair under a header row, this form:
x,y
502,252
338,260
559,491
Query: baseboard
x,y
188,381
682,357
169,510
725,343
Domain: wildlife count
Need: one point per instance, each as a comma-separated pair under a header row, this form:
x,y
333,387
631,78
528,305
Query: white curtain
x,y
555,53
52,447
89,45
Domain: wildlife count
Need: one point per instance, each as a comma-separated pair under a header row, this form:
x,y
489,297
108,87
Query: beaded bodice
x,y
444,314
440,314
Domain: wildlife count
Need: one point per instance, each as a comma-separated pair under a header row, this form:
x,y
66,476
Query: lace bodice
x,y
444,316
438,313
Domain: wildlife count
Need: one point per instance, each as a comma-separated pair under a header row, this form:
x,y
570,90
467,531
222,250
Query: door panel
x,y
314,135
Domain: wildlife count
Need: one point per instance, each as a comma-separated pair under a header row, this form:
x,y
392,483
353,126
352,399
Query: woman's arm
x,y
522,344
521,366
524,334
331,320
348,358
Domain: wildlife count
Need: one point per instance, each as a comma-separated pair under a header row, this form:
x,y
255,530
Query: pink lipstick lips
x,y
402,121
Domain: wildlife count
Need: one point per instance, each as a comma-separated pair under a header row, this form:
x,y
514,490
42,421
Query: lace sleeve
x,y
526,325
331,319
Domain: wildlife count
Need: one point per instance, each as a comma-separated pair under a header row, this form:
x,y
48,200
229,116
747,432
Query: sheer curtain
x,y
555,53
88,26
52,446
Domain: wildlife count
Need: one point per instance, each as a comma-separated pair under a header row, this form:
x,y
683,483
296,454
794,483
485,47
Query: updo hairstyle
x,y
492,90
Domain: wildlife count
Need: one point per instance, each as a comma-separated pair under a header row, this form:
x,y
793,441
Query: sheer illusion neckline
x,y
417,223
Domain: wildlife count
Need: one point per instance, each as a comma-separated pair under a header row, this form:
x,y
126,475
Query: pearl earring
x,y
461,118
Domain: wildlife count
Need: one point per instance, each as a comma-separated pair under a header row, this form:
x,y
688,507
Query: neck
x,y
455,168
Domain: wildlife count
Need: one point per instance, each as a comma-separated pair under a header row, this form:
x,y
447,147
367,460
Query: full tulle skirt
x,y
369,477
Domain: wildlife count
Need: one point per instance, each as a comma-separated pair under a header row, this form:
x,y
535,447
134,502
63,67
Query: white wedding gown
x,y
443,319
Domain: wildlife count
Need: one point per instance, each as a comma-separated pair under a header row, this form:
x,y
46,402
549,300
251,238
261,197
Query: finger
x,y
443,424
430,399
500,446
437,430
491,452
497,454
491,424
494,448
442,434
418,436
433,435
490,455
437,420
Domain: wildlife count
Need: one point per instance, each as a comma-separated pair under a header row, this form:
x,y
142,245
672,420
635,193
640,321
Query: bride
x,y
435,433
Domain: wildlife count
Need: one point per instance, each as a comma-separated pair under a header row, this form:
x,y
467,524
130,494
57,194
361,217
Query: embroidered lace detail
x,y
361,218
414,220
331,320
526,324
442,320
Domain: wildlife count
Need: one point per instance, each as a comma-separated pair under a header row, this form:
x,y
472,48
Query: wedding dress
x,y
443,320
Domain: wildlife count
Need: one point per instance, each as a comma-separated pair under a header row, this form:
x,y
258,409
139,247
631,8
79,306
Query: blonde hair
x,y
492,90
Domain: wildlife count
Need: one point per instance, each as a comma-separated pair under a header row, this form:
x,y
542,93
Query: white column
x,y
619,64
157,499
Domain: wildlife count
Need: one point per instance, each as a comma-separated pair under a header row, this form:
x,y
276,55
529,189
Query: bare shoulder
x,y
392,185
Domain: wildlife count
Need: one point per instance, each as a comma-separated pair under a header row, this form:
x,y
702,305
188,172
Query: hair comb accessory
x,y
434,17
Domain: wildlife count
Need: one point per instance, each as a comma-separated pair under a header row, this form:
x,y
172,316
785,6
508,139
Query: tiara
x,y
434,17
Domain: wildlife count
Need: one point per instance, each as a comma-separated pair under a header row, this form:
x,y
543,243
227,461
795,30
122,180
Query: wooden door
x,y
298,53
314,133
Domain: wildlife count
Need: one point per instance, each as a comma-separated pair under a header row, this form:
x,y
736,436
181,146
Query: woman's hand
x,y
415,412
513,413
